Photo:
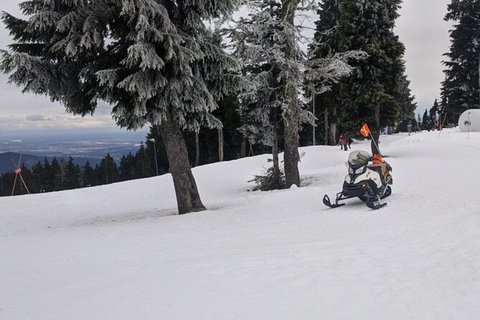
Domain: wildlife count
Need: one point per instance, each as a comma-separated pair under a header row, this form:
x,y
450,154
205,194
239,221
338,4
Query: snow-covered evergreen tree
x,y
258,42
154,61
267,41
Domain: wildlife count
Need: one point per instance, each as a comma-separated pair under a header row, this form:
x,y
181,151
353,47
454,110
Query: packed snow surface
x,y
121,251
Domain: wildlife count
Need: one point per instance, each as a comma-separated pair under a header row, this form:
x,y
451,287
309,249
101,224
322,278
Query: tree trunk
x,y
243,148
188,198
291,157
325,121
291,117
375,135
333,127
197,148
220,144
276,162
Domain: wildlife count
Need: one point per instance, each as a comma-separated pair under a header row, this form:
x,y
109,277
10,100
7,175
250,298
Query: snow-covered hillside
x,y
121,252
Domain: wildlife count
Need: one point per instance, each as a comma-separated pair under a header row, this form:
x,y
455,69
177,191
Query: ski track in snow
x,y
121,252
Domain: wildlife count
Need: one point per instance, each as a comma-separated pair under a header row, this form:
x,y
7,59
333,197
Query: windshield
x,y
358,158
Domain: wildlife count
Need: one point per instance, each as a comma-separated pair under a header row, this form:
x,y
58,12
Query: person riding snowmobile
x,y
369,182
377,160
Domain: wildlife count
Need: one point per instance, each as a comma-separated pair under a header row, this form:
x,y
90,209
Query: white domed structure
x,y
469,121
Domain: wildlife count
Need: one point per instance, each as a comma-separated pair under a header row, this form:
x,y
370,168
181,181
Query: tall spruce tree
x,y
108,170
406,100
58,174
89,177
460,89
127,167
72,176
426,121
329,62
37,177
327,43
372,94
144,164
154,61
434,113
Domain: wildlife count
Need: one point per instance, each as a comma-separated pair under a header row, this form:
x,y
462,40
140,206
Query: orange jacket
x,y
377,159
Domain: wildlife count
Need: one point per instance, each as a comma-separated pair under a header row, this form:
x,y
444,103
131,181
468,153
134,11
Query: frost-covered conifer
x,y
154,61
267,41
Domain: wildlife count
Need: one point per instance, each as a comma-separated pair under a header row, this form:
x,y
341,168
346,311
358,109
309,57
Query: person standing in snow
x,y
344,138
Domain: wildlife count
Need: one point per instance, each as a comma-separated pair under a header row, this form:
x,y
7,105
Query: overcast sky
x,y
421,28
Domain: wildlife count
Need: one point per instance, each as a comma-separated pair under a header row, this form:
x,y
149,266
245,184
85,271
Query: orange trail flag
x,y
365,131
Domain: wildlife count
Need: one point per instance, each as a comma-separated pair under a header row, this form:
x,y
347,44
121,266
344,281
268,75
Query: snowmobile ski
x,y
375,204
326,201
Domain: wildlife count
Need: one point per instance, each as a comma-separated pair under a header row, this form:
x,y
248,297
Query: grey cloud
x,y
38,117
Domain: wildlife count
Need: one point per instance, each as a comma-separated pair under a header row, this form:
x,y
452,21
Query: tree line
x,y
60,175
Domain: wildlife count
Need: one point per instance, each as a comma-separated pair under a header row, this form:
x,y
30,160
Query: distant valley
x,y
81,146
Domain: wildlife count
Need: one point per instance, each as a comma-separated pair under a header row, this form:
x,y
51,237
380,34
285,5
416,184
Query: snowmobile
x,y
368,182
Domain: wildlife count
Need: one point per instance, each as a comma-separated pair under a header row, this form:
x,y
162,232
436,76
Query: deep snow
x,y
121,252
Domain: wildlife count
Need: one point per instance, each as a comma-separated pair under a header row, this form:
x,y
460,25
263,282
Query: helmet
x,y
358,158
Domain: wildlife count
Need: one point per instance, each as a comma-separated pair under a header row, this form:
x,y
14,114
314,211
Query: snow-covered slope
x,y
121,252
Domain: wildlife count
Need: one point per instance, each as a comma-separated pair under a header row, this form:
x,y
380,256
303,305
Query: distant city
x,y
91,145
